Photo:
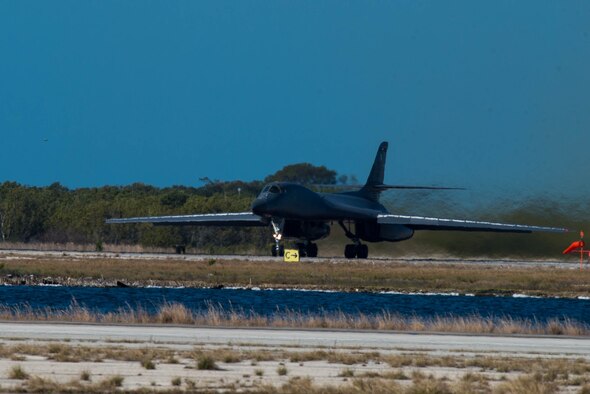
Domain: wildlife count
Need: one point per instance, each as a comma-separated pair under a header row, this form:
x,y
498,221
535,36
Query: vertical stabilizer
x,y
378,170
375,179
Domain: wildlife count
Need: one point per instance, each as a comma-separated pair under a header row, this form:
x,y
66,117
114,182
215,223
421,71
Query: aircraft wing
x,y
427,223
242,219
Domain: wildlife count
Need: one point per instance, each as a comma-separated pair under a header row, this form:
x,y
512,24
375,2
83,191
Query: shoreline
x,y
30,280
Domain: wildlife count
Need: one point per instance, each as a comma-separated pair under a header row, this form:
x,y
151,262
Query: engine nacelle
x,y
311,231
395,232
374,232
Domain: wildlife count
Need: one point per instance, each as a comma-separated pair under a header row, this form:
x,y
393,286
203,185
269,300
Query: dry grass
x,y
543,369
420,385
175,313
282,370
85,376
357,386
296,385
148,363
527,385
61,352
551,369
207,363
346,373
17,372
37,384
344,275
76,247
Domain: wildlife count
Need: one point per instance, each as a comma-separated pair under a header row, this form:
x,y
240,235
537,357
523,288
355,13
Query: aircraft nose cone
x,y
258,206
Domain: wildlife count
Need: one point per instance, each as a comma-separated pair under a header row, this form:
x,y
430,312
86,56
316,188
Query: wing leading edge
x,y
426,223
243,219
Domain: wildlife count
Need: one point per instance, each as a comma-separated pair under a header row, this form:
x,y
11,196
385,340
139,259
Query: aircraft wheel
x,y
350,251
281,253
302,250
362,251
312,250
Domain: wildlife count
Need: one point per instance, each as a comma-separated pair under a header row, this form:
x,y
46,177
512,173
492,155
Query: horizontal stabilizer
x,y
381,187
210,219
384,187
428,223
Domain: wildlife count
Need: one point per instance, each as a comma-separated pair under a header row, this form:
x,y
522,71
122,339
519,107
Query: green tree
x,y
304,173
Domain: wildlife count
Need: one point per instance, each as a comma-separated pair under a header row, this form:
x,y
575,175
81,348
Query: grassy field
x,y
389,275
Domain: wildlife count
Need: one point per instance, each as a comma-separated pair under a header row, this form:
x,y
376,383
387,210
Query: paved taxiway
x,y
566,263
383,340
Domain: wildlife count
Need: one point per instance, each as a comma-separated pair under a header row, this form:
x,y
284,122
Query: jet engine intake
x,y
310,231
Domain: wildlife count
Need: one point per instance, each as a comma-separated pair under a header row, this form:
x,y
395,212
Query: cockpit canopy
x,y
273,188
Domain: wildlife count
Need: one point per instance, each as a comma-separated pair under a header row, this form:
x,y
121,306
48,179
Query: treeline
x,y
56,214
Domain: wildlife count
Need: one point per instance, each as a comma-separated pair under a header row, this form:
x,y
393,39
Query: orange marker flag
x,y
574,245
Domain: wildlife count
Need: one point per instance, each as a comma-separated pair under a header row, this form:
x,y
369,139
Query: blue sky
x,y
490,95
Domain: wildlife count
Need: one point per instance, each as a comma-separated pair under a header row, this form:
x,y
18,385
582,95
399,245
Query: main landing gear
x,y
355,250
360,251
308,249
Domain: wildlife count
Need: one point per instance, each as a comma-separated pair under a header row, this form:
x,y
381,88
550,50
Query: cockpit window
x,y
274,189
265,189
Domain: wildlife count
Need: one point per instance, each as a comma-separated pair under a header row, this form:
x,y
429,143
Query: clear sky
x,y
492,95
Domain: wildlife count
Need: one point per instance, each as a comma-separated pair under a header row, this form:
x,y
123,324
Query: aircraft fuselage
x,y
295,202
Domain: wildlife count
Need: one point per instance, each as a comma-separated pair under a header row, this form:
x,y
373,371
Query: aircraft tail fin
x,y
378,170
374,184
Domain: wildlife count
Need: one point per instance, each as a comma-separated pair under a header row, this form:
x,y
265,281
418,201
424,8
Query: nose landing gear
x,y
277,252
277,229
306,248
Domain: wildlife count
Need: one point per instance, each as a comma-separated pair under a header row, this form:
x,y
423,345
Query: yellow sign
x,y
291,255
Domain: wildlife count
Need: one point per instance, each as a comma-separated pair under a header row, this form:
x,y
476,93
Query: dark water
x,y
268,302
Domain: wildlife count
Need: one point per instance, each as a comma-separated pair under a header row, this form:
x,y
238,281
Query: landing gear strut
x,y
306,248
280,252
277,229
355,250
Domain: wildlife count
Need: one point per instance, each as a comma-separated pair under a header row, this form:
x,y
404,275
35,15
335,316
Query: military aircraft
x,y
296,212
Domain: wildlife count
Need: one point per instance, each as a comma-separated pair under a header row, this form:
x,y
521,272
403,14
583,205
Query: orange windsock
x,y
574,245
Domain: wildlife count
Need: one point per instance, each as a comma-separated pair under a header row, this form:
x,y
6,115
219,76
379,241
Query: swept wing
x,y
210,219
428,223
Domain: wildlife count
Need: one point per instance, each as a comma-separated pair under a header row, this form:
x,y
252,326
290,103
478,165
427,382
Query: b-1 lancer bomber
x,y
295,212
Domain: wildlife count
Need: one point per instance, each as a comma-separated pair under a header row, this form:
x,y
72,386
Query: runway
x,y
9,254
381,340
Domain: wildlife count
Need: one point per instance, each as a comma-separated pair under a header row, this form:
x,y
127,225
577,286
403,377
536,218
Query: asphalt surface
x,y
566,262
518,345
